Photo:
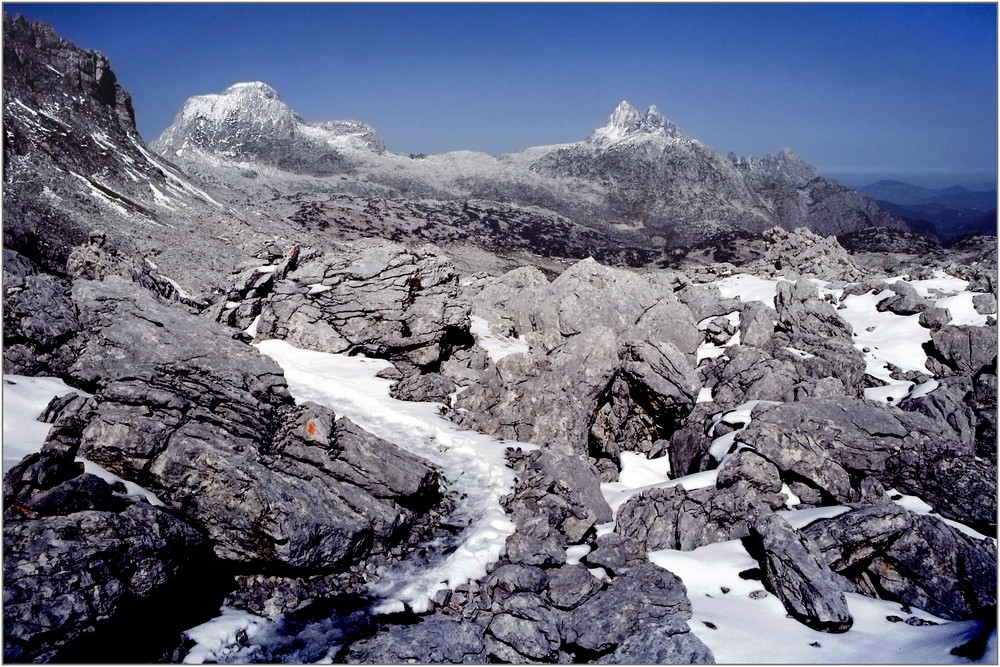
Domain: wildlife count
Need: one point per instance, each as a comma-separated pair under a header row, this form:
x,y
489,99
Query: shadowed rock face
x,y
919,560
795,571
78,557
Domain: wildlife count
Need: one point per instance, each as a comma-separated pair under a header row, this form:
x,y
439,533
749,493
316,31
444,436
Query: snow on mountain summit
x,y
627,121
250,122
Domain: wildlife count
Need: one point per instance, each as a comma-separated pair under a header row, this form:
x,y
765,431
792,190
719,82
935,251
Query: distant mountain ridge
x,y
638,179
955,211
898,192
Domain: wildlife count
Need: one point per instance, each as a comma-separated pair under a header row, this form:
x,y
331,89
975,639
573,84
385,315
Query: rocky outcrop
x,y
964,349
804,253
563,490
675,518
206,421
380,299
431,641
79,557
891,553
795,571
829,445
609,367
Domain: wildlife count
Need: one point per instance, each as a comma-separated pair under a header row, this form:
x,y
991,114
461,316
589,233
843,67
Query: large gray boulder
x,y
378,298
965,349
905,302
207,423
589,295
892,553
80,561
593,394
640,598
525,629
795,571
828,444
555,494
675,518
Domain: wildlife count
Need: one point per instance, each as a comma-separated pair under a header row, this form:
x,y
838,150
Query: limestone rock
x,y
795,571
895,554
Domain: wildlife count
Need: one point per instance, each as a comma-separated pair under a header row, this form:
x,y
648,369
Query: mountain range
x,y
638,180
953,212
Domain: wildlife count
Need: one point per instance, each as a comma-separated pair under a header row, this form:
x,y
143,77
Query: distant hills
x,y
954,211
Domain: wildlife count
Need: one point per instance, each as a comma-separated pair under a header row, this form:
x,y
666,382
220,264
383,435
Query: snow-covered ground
x,y
474,464
742,623
884,338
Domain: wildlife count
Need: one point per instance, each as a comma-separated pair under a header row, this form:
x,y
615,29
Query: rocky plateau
x,y
324,402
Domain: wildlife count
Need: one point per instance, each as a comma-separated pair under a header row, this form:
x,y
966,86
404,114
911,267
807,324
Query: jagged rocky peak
x,y
249,120
627,121
785,166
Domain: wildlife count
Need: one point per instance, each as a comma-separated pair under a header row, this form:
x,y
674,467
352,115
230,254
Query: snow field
x,y
757,629
884,338
474,465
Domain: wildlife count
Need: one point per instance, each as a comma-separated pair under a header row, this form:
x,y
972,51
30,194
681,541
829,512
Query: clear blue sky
x,y
862,91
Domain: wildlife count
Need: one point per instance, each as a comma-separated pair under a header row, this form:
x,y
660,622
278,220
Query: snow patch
x,y
748,630
497,346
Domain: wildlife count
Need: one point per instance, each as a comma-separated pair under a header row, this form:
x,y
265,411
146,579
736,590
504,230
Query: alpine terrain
x,y
274,393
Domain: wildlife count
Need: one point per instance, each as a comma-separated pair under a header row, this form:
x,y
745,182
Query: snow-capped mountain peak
x,y
627,121
249,122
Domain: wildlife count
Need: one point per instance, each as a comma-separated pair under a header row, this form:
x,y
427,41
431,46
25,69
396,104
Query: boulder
x,y
593,394
589,295
556,493
207,423
892,553
644,596
668,644
756,323
82,564
966,349
827,444
905,302
796,573
378,298
524,629
934,317
675,518
571,585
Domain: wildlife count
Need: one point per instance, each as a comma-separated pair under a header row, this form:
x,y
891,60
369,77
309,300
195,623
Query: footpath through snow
x,y
473,464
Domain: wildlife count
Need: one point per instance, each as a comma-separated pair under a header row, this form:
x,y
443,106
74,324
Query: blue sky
x,y
862,91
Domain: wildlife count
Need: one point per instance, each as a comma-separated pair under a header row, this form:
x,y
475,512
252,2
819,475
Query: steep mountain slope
x,y
74,164
638,179
249,122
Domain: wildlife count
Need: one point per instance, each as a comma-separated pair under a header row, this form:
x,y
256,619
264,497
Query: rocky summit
x,y
273,393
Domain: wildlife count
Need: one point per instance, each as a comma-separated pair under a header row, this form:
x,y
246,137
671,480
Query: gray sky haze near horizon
x,y
861,91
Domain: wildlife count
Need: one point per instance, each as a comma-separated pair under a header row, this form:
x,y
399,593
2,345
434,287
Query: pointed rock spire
x,y
626,121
